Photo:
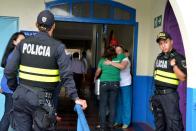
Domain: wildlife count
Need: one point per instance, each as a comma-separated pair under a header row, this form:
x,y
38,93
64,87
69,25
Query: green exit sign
x,y
157,21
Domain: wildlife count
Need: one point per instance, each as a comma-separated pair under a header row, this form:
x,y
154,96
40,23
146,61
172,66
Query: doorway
x,y
92,38
99,18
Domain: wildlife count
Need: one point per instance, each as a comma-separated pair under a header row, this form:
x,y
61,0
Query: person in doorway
x,y
78,69
129,56
85,62
13,42
123,113
109,86
169,70
41,62
113,42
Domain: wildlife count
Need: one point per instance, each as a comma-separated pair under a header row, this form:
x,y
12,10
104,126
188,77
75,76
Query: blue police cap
x,y
45,19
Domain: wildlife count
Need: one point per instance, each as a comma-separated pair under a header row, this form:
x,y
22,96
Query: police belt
x,y
42,93
165,91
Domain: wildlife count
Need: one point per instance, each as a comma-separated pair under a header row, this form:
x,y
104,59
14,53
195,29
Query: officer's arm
x,y
179,68
11,69
64,64
181,76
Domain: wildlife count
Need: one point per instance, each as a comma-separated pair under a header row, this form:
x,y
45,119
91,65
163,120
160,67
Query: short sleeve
x,y
126,59
100,63
121,57
181,63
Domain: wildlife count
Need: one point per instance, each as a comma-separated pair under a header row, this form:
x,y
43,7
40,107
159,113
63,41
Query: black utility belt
x,y
164,91
41,92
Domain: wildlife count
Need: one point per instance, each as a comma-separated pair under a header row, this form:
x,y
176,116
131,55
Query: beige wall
x,y
26,10
146,11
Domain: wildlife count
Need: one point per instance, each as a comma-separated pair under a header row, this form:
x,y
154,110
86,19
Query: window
x,y
120,14
81,10
86,10
61,10
101,11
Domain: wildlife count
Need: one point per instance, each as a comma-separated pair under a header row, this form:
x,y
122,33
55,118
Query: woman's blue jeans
x,y
123,106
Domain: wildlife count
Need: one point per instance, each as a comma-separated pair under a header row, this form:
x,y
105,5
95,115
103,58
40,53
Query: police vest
x,y
38,66
164,75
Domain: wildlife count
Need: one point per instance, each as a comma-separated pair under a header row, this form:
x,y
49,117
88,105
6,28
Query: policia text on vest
x,y
36,49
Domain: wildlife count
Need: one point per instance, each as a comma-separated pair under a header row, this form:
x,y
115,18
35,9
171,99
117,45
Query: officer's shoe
x,y
117,125
125,126
99,128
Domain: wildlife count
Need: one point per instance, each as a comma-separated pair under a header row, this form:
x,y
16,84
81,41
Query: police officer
x,y
40,62
170,69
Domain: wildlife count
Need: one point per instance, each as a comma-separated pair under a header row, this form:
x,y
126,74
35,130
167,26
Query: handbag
x,y
97,87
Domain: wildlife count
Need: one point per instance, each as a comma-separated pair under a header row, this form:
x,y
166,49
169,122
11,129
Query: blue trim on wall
x,y
110,2
135,47
142,91
92,19
191,110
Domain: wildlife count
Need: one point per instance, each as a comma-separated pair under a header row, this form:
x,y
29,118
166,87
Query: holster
x,y
44,116
153,103
156,107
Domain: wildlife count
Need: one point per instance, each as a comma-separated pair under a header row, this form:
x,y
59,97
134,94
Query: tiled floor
x,y
69,117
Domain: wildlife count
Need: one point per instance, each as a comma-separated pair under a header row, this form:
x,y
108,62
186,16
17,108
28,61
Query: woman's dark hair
x,y
121,46
84,53
76,55
43,28
126,51
10,47
109,53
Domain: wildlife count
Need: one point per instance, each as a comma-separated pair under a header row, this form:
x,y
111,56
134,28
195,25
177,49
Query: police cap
x,y
45,19
163,36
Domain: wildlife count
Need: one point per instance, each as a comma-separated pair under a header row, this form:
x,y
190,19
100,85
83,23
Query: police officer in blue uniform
x,y
170,69
39,62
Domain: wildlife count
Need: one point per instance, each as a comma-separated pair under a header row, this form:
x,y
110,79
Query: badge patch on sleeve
x,y
183,62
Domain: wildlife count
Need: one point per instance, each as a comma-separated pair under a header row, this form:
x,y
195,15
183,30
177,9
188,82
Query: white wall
x,y
185,13
146,11
26,10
